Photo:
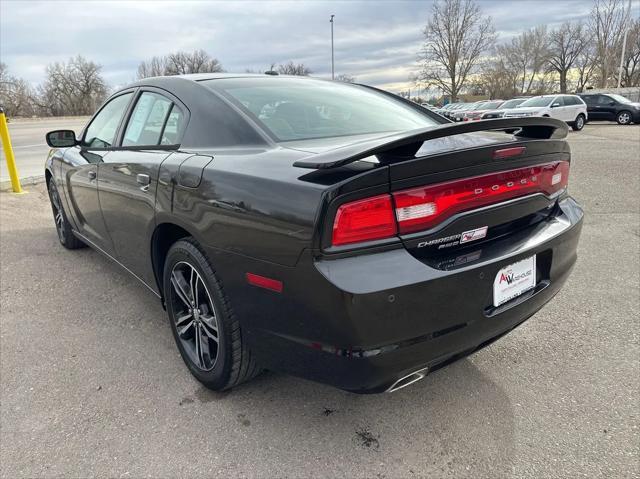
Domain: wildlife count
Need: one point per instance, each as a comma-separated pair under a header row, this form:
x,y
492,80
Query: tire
x,y
63,227
212,318
579,123
624,117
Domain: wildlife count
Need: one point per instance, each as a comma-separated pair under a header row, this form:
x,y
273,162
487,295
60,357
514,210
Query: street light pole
x,y
332,67
624,44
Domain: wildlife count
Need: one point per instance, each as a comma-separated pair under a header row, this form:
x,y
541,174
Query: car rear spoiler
x,y
403,146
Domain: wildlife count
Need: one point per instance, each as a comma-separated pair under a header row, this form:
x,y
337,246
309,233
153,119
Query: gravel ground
x,y
92,383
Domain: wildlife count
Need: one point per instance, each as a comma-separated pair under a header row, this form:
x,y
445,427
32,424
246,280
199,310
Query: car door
x,y
80,171
572,106
609,107
558,109
598,110
128,176
592,106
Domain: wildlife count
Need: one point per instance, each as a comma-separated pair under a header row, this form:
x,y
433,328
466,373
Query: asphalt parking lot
x,y
93,385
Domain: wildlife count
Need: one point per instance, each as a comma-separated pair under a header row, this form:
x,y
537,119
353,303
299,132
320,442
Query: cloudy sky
x,y
375,41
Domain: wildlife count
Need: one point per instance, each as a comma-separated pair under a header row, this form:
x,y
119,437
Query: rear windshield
x,y
301,109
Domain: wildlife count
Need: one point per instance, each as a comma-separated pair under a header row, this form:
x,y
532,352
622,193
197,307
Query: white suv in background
x,y
569,108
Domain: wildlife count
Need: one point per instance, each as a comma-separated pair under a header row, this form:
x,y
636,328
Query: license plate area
x,y
514,280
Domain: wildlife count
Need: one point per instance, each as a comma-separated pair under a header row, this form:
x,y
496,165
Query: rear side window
x,y
147,120
570,100
101,133
173,127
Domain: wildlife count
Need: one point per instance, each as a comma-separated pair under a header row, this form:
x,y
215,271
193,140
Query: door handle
x,y
92,175
143,180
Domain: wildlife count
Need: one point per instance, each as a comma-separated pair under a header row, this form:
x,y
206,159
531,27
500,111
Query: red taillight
x,y
364,220
424,207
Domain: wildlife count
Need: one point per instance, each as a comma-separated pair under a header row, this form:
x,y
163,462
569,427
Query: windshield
x,y
619,98
303,108
537,101
512,103
491,105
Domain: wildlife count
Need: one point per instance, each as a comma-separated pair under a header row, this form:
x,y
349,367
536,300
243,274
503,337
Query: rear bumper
x,y
372,319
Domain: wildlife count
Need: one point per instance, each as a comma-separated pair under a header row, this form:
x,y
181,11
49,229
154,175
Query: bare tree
x,y
72,88
526,56
153,68
496,80
343,77
585,65
607,22
456,36
179,63
16,94
631,61
290,68
565,46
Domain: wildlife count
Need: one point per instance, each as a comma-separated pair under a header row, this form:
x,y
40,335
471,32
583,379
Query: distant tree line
x,y
77,87
461,53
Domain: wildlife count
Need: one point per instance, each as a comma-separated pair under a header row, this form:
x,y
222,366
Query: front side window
x,y
147,120
101,133
300,109
618,98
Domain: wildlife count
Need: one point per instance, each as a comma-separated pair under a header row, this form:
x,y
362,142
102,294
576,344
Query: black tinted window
x,y
570,100
172,129
147,120
101,133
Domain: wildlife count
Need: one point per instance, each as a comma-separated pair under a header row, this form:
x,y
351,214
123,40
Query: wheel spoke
x,y
209,328
181,320
179,289
199,353
185,328
195,277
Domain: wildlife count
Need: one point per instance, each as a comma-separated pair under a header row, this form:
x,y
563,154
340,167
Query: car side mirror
x,y
612,103
555,105
61,138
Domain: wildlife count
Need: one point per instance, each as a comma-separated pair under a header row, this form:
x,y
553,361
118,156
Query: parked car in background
x,y
477,112
611,107
568,108
251,216
498,112
458,115
447,110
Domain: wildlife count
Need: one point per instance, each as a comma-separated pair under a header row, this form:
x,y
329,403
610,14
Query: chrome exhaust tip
x,y
408,380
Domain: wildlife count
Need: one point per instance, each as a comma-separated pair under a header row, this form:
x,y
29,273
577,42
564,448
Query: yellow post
x,y
8,153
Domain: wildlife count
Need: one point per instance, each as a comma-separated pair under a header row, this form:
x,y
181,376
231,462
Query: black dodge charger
x,y
331,231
